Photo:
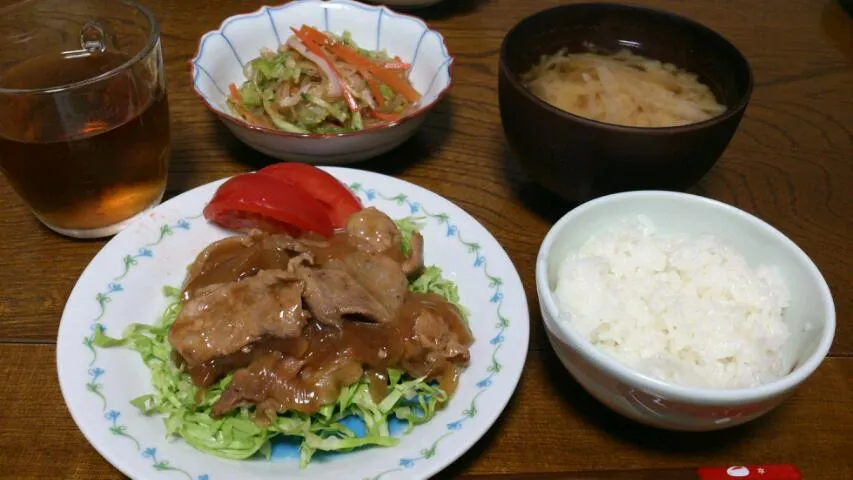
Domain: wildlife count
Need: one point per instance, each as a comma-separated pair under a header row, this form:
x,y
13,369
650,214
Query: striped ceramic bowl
x,y
223,52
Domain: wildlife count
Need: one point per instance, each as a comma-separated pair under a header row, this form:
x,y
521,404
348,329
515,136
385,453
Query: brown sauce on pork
x,y
297,320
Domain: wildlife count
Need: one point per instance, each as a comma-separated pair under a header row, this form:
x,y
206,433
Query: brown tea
x,y
90,156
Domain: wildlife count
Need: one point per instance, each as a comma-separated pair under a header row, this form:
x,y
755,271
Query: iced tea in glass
x,y
84,117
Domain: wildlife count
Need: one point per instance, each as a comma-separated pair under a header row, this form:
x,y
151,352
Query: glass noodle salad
x,y
319,82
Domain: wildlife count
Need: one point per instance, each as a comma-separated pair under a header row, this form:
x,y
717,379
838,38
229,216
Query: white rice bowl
x,y
685,309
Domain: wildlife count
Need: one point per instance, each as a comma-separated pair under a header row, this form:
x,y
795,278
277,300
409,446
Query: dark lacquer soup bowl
x,y
579,158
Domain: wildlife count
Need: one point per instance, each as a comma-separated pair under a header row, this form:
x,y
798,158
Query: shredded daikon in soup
x,y
622,88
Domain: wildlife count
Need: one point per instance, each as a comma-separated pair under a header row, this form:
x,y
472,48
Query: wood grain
x,y
791,163
551,425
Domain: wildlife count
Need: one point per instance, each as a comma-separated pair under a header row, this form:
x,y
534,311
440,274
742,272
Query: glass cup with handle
x,y
84,128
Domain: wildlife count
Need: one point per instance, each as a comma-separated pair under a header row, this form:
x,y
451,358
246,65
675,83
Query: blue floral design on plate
x,y
112,416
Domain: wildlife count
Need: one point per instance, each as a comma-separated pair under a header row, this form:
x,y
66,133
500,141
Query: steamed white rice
x,y
684,309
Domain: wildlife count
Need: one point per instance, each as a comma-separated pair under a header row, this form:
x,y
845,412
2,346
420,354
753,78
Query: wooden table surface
x,y
791,163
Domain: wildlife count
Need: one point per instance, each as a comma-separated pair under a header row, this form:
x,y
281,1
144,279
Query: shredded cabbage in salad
x,y
319,82
186,411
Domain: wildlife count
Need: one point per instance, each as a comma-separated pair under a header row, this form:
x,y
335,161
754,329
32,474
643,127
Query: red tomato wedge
x,y
260,201
339,202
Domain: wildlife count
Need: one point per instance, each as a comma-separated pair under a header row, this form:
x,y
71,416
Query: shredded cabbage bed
x,y
319,82
186,412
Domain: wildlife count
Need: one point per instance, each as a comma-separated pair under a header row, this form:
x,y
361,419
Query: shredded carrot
x,y
386,117
374,89
314,35
315,48
361,62
250,117
310,44
321,39
235,93
387,77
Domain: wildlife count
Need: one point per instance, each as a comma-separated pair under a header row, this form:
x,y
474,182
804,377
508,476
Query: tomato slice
x,y
261,201
328,190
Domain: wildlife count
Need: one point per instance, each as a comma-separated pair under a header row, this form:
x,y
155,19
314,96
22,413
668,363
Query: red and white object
x,y
752,472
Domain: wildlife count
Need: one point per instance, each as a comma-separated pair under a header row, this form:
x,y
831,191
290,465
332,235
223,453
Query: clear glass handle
x,y
92,38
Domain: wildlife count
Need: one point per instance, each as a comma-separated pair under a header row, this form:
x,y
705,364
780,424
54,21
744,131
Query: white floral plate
x,y
123,285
